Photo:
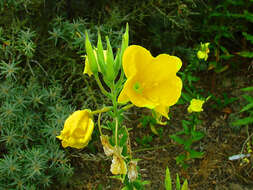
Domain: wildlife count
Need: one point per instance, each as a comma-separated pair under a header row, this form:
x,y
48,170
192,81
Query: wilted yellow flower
x,y
108,148
77,130
132,171
151,81
203,52
118,164
196,105
87,68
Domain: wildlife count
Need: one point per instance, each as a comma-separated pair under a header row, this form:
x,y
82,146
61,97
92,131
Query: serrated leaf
x,y
168,185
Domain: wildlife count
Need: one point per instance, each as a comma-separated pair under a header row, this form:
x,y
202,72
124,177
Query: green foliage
x,y
32,116
168,182
247,110
187,137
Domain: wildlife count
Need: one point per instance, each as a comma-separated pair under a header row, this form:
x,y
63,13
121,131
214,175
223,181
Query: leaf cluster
x,y
31,118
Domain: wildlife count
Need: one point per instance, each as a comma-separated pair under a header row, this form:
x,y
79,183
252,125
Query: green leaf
x,y
168,185
248,37
250,88
246,54
197,135
196,154
177,139
178,185
185,185
244,121
247,107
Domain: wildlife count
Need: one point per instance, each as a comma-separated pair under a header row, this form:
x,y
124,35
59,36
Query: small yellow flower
x,y
196,105
108,148
151,81
203,52
118,164
77,130
87,68
132,170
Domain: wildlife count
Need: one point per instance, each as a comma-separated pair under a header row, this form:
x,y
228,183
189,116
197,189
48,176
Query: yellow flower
x,y
87,68
77,130
118,164
151,81
196,105
203,52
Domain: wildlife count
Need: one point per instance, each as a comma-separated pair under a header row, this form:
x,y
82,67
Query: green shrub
x,y
31,117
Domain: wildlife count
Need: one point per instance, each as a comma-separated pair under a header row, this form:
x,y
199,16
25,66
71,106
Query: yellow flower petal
x,y
151,82
134,56
77,129
195,105
87,69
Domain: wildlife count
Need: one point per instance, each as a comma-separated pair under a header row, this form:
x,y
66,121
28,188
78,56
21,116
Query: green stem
x,y
116,131
105,109
128,106
153,148
99,126
101,86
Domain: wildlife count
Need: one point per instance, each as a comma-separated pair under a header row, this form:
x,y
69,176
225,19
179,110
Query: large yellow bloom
x,y
77,130
195,105
151,81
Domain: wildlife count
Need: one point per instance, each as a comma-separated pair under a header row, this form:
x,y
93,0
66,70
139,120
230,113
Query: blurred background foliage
x,y
44,39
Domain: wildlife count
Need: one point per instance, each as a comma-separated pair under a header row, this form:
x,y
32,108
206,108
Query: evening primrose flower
x,y
195,105
77,130
151,81
118,165
87,67
203,52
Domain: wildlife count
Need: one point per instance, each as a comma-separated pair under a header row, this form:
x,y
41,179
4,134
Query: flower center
x,y
137,88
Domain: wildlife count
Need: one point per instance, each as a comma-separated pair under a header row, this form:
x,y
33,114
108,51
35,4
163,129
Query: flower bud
x,y
77,130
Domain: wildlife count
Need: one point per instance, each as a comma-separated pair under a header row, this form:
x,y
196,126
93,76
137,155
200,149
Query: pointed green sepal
x,y
100,55
110,74
90,54
124,45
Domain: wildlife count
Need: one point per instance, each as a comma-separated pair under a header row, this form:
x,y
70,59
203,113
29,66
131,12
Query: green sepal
x,y
100,55
110,74
124,45
90,54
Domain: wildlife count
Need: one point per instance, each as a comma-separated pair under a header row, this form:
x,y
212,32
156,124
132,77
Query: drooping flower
x,y
108,148
132,170
77,130
87,67
118,165
195,105
203,52
151,81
